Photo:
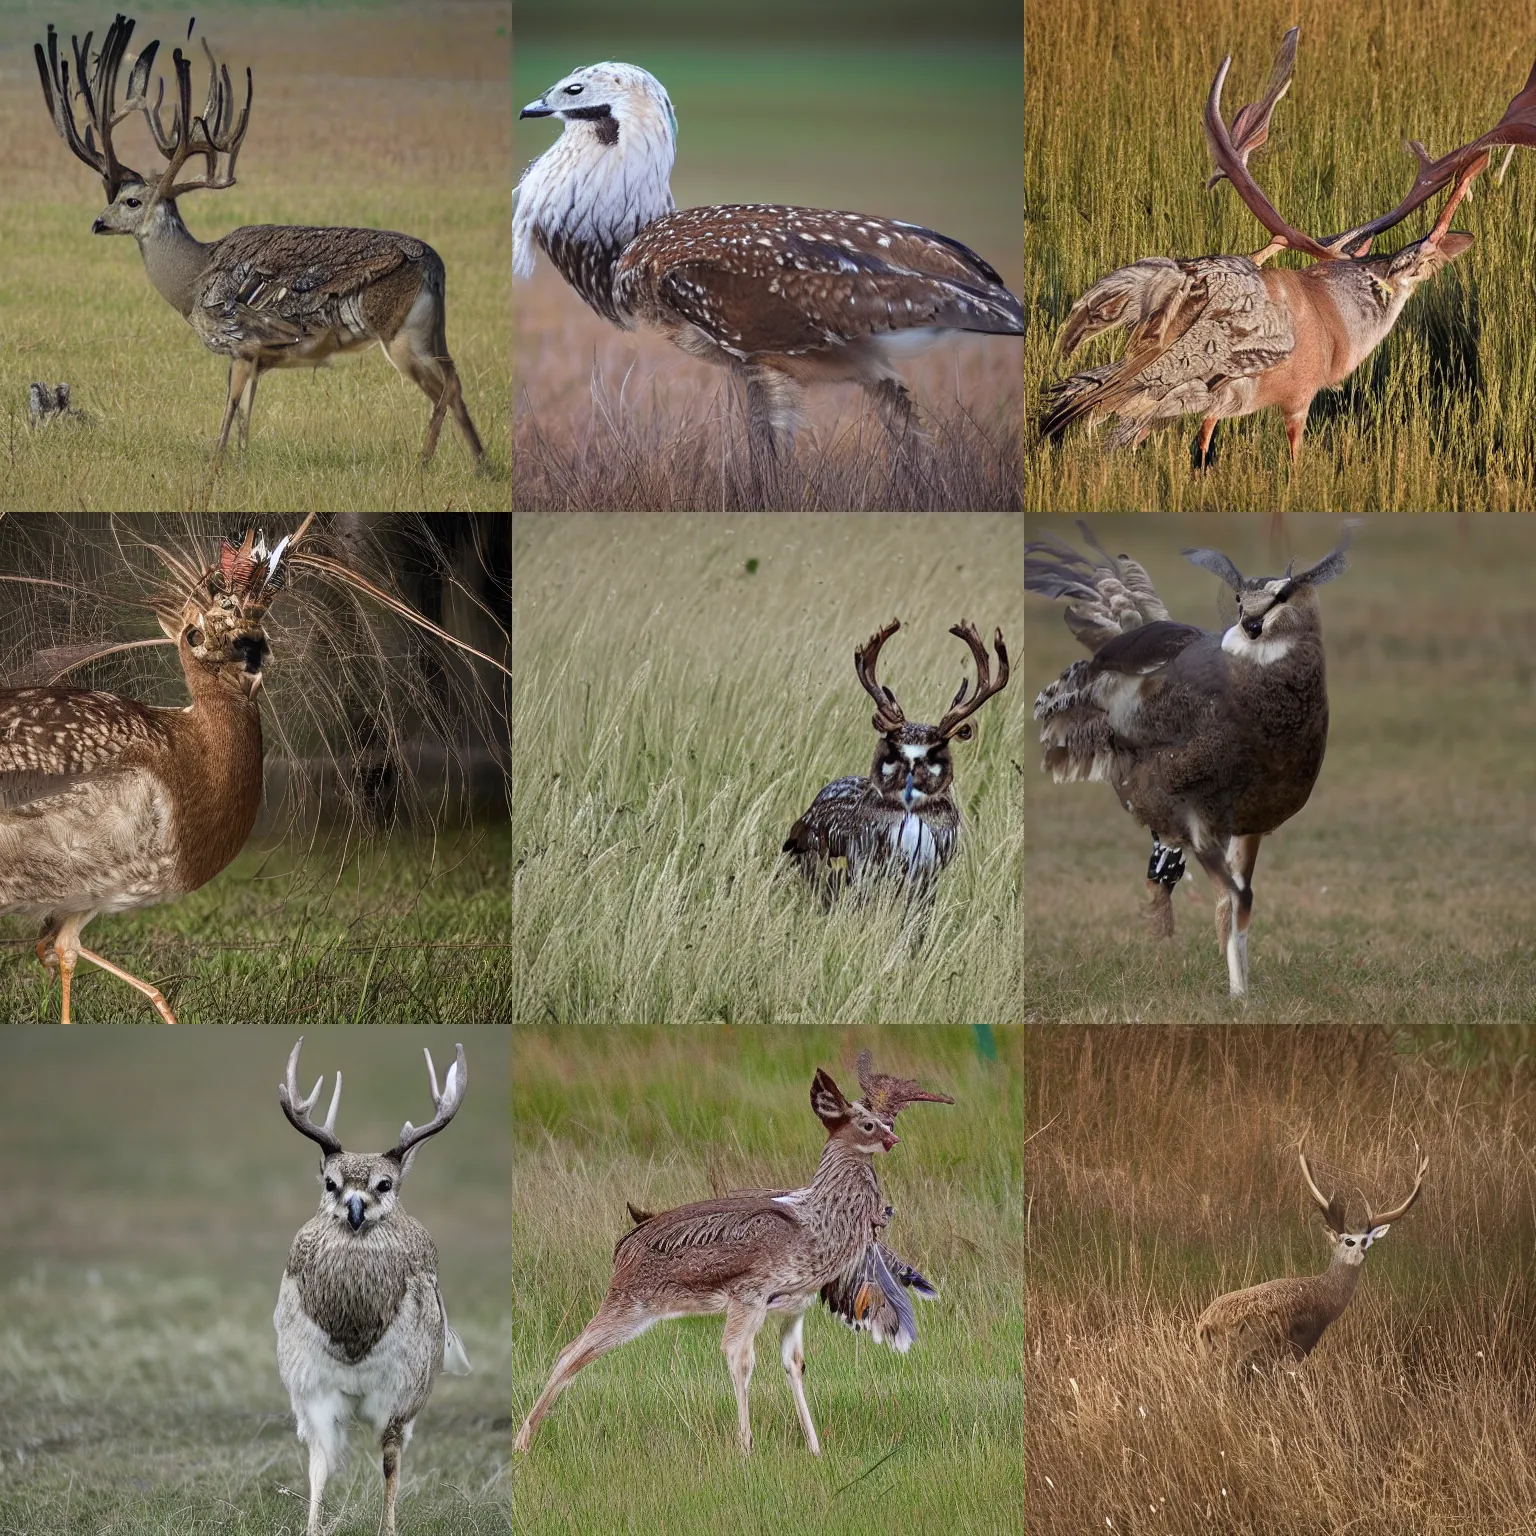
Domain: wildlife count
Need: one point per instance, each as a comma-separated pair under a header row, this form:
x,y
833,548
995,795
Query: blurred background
x,y
152,1189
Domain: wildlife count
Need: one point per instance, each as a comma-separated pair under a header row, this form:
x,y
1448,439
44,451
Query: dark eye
x,y
384,1186
1349,1242
193,636
330,1186
130,202
573,90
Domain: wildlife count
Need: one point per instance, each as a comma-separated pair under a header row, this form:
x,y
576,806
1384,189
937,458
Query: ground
x,y
371,115
152,1190
1401,893
1114,166
930,1438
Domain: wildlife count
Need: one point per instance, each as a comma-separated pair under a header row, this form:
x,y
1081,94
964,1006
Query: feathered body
x,y
1211,740
784,296
760,1252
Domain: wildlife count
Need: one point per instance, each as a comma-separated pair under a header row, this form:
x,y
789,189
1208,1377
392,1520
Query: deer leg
x,y
610,1328
1295,426
792,1353
1242,855
454,395
434,374
391,1445
1230,900
247,405
741,1325
1203,442
240,369
321,1425
773,417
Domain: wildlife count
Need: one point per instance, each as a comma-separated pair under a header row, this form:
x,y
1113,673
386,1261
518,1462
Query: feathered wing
x,y
768,279
873,1297
826,833
54,738
455,1361
1108,596
723,1235
1198,330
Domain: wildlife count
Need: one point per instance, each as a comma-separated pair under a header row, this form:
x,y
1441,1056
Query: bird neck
x,y
587,196
173,257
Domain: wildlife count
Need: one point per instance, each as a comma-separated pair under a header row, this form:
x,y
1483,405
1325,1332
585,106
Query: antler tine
x,y
1516,127
1233,163
888,715
210,137
888,1095
961,709
97,90
1397,1211
1331,1206
445,1103
297,1109
1250,128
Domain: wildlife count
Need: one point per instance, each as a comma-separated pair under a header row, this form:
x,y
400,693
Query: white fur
x,y
594,193
914,840
1261,652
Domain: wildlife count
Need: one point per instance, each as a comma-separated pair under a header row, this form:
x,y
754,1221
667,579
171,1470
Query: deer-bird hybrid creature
x,y
759,1251
1223,336
785,297
902,816
362,1331
107,804
266,295
1282,1320
1210,739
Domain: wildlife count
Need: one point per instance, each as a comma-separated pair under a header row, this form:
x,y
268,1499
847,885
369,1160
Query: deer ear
x,y
1377,1233
828,1102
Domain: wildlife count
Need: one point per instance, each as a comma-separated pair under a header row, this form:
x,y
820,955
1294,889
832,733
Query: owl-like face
x,y
225,637
912,766
358,1189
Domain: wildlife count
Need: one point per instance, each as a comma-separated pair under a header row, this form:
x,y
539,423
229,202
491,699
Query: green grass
x,y
645,1439
682,689
1115,162
1402,893
406,931
152,1189
384,117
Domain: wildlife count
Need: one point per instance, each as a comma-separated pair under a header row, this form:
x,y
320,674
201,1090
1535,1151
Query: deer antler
x,y
1386,1217
888,716
97,90
445,1102
297,1109
1331,1206
213,135
1250,128
961,709
887,1096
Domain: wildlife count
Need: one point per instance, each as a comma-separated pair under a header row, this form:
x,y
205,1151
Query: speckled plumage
x,y
1210,739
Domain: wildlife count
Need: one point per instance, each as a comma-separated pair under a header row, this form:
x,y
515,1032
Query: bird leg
x,y
391,1446
1203,442
61,948
792,1353
773,416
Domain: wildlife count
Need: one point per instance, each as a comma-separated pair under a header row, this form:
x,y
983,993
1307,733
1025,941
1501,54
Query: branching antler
x,y
445,1102
954,724
297,1109
888,714
888,1096
213,135
1385,1218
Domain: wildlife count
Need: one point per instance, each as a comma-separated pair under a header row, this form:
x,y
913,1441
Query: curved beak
x,y
890,1139
537,109
355,1211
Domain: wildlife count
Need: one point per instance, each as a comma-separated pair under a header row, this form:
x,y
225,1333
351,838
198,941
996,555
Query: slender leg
x,y
240,371
1243,855
153,993
1230,899
319,1469
1294,427
439,381
247,405
1203,445
741,1325
792,1353
392,1447
773,414
610,1328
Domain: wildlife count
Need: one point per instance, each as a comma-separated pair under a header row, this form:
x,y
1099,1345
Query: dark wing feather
x,y
873,1297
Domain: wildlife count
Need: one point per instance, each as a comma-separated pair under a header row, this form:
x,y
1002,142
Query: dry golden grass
x,y
1402,892
1162,1172
391,117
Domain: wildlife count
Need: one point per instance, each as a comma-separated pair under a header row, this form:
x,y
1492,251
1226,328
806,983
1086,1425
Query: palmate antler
x,y
1230,149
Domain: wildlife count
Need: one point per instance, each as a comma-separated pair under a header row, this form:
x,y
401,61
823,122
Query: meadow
x,y
683,687
138,1385
1115,164
384,116
645,1438
919,128
1401,894
1161,1172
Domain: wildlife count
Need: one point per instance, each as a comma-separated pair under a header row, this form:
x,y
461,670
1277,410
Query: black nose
x,y
355,1211
97,227
1254,627
250,649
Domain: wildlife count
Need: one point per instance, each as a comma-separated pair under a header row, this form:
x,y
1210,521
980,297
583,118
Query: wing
x,y
1108,595
1195,328
720,1236
762,278
873,1298
455,1361
273,285
827,830
54,738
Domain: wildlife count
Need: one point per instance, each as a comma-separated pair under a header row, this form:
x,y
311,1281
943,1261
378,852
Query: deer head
x,y
1349,1244
360,1189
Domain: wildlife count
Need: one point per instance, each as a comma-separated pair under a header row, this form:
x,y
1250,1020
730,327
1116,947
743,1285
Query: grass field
x,y
380,116
645,1439
152,1190
1162,1172
1402,893
682,689
401,932
1115,162
925,131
